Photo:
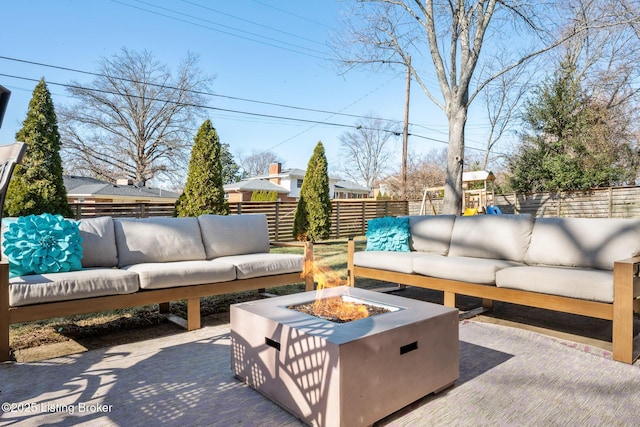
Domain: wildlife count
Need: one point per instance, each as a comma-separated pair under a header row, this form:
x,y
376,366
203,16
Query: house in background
x,y
243,190
287,183
90,190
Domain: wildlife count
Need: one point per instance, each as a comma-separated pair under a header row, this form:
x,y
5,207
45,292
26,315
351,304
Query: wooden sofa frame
x,y
162,297
620,312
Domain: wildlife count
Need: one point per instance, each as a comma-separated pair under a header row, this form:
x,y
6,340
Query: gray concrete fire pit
x,y
344,374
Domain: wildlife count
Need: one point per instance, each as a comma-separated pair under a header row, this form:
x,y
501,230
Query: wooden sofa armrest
x,y
4,310
351,249
308,260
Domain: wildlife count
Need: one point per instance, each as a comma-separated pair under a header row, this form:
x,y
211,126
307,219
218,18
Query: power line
x,y
270,116
252,22
292,14
305,50
234,98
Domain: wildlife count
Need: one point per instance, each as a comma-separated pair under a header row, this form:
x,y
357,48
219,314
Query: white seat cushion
x,y
258,265
92,282
401,262
587,284
182,273
466,269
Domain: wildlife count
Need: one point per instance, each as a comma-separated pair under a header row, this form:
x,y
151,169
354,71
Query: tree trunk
x,y
457,115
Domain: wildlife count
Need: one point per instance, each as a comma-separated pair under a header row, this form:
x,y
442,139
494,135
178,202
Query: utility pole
x,y
405,134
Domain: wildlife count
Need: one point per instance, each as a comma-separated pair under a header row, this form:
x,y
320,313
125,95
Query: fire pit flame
x,y
334,307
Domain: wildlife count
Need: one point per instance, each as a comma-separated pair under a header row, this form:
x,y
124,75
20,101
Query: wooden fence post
x,y
277,222
559,204
610,202
337,227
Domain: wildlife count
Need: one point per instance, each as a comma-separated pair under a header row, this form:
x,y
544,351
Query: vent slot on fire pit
x,y
272,343
409,347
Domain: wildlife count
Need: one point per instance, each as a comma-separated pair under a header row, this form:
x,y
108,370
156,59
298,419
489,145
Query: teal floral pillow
x,y
46,243
388,234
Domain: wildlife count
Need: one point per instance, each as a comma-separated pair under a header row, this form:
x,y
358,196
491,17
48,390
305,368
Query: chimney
x,y
275,169
124,181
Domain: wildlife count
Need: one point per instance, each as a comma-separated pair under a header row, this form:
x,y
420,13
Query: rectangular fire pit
x,y
344,374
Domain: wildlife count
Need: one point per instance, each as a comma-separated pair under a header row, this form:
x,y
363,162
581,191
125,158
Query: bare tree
x,y
257,163
425,170
366,151
455,33
503,97
135,119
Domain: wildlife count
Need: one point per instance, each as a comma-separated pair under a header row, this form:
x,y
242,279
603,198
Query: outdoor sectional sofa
x,y
133,262
584,266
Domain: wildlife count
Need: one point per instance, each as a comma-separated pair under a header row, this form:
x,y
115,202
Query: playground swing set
x,y
478,194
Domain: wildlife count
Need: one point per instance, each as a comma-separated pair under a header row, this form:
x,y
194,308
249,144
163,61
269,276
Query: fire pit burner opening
x,y
342,308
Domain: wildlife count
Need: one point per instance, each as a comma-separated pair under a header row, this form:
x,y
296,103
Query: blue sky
x,y
262,50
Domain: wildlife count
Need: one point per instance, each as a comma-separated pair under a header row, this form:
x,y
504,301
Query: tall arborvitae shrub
x,y
264,196
204,192
37,185
313,214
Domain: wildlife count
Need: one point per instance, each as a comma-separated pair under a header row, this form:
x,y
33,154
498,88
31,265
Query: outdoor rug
x,y
508,377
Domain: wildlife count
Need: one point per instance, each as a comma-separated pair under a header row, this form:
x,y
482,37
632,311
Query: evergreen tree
x,y
203,193
230,169
571,144
37,186
313,214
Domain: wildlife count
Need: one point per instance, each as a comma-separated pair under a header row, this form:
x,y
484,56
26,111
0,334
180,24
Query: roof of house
x,y
85,186
283,174
351,186
478,176
255,185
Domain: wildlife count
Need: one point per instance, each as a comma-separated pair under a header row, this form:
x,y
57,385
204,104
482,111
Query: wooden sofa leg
x,y
193,314
309,284
163,308
487,304
351,248
449,299
623,312
4,312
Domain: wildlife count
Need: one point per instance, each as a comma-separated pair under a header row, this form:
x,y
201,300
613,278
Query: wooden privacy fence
x,y
348,217
612,202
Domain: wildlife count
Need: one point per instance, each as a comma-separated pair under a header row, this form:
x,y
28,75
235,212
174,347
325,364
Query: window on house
x,y
299,183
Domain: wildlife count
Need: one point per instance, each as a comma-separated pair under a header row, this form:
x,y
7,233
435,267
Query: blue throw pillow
x,y
388,234
38,244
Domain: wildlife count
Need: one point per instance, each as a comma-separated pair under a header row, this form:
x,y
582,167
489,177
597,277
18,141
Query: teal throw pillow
x,y
388,234
38,244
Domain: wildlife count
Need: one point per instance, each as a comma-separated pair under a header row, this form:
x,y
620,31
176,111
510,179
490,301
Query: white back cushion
x,y
98,242
491,236
583,242
158,240
431,233
225,235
